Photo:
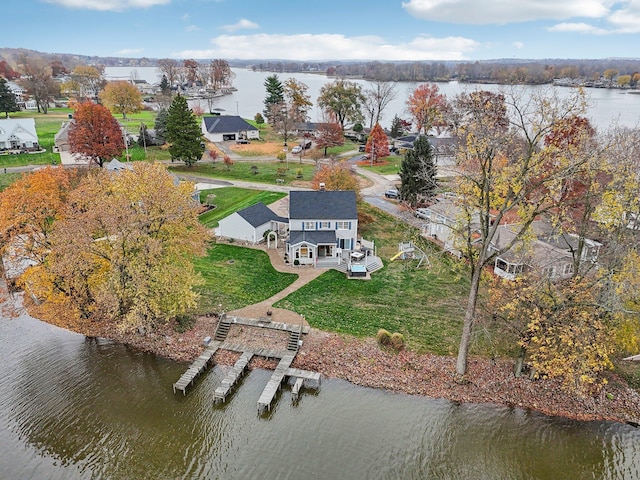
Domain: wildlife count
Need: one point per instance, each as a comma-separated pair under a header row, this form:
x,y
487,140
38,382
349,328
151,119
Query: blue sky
x,y
326,29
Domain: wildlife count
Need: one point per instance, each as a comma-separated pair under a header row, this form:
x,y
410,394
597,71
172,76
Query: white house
x,y
441,219
321,225
250,224
18,134
224,128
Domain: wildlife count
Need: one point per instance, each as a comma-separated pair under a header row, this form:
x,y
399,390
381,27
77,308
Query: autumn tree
x,y
37,80
427,106
190,67
329,135
418,173
8,102
131,263
342,100
7,71
95,133
291,109
183,132
377,97
220,73
506,173
377,144
29,207
335,176
122,97
84,83
610,73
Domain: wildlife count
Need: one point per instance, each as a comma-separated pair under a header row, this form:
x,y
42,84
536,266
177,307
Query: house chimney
x,y
321,186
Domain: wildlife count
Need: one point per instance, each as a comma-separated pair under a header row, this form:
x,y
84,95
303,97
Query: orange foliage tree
x,y
95,133
335,176
121,97
377,143
427,106
329,135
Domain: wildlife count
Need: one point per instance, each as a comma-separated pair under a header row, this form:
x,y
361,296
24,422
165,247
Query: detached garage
x,y
225,128
250,224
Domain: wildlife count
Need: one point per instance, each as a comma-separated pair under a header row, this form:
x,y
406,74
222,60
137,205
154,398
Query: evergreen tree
x,y
418,173
396,127
259,118
165,88
275,94
183,132
144,139
160,126
7,99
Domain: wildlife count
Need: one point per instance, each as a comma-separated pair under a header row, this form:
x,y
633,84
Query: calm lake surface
x,y
607,106
79,408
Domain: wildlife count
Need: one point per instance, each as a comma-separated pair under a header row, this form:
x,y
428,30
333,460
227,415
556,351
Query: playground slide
x,y
396,256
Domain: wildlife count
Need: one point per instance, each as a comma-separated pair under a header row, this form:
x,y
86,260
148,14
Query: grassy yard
x,y
425,304
232,199
390,167
7,179
265,172
236,277
46,126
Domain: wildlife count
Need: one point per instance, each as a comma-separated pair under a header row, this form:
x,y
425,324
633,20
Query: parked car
x,y
392,193
422,213
361,148
296,150
243,141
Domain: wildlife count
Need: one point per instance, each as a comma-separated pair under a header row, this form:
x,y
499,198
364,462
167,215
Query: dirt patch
x,y
256,148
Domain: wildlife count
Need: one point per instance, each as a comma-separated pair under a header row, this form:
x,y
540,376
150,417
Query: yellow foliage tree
x,y
121,97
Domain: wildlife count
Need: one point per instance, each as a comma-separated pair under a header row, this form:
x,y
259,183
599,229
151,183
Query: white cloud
x,y
627,18
518,44
186,17
577,28
332,47
191,28
108,5
130,51
501,11
242,24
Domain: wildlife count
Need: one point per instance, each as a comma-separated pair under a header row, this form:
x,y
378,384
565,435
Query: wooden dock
x,y
199,365
220,395
303,378
275,382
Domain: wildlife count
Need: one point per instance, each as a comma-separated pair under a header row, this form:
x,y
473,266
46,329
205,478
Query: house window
x,y
304,252
549,272
568,269
342,225
309,225
325,225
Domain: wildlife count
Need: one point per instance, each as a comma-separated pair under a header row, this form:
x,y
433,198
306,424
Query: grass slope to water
x,y
424,304
236,277
232,199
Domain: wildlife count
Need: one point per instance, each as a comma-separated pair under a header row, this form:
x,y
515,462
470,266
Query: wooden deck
x,y
199,365
283,371
220,395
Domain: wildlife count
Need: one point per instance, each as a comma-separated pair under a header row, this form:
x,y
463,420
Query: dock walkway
x,y
220,395
199,365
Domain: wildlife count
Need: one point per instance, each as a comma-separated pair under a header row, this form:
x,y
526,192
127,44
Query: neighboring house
x,y
61,138
308,128
251,223
321,225
441,218
444,148
223,128
19,134
550,253
116,165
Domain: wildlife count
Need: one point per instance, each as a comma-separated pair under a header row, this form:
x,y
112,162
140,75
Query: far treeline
x,y
488,71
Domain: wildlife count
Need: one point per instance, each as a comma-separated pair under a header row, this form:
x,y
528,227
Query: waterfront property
x,y
251,223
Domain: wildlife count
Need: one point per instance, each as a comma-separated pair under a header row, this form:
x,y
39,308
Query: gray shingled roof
x,y
314,237
323,205
226,124
259,214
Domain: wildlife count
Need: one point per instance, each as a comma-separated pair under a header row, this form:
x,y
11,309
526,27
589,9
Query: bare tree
x,y
37,80
376,98
170,68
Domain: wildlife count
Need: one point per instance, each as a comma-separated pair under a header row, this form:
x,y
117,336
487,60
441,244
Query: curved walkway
x,y
305,275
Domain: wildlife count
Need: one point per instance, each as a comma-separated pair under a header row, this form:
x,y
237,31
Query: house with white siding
x,y
251,223
19,134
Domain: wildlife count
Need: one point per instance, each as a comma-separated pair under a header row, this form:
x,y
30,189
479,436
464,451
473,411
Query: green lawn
x,y
391,167
265,172
425,304
7,179
237,276
232,199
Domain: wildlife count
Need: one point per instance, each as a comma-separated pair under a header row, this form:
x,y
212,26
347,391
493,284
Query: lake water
x,y
79,408
607,106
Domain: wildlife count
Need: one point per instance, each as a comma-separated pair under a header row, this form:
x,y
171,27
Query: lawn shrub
x,y
384,337
397,341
